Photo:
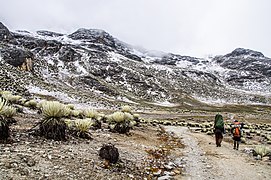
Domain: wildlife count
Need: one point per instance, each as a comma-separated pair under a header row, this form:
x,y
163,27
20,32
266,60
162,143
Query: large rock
x,y
68,54
94,36
5,35
18,58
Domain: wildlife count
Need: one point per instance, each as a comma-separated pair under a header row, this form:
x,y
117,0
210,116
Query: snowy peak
x,y
244,52
90,65
93,36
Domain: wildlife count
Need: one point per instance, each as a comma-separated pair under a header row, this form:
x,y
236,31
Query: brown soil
x,y
33,157
147,152
206,161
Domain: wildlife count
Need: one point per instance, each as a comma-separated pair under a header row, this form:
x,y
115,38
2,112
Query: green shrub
x,y
128,116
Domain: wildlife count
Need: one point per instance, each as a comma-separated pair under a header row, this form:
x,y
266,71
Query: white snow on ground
x,y
125,99
63,39
184,64
115,57
165,104
80,68
59,95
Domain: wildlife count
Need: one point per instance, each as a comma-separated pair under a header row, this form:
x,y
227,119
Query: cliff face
x,y
90,65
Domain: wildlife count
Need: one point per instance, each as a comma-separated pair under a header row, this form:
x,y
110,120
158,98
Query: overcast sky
x,y
187,27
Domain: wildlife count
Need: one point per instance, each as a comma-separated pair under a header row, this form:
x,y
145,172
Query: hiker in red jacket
x,y
219,129
236,131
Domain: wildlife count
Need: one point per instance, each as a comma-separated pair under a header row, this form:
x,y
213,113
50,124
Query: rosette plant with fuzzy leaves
x,y
53,125
121,122
5,111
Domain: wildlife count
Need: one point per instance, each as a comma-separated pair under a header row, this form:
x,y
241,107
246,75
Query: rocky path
x,y
206,161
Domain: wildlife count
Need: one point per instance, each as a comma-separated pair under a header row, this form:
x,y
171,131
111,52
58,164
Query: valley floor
x,y
206,161
31,157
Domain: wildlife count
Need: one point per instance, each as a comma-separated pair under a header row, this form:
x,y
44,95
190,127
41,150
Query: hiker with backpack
x,y
219,129
236,131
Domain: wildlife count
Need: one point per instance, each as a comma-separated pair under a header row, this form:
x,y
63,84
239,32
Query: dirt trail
x,y
206,161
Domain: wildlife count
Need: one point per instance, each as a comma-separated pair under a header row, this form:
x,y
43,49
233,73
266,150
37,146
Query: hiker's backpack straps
x,y
237,129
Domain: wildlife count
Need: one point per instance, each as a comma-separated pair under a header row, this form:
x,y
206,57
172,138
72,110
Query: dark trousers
x,y
218,136
236,142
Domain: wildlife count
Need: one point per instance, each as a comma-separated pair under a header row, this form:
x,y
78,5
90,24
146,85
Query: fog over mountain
x,y
188,27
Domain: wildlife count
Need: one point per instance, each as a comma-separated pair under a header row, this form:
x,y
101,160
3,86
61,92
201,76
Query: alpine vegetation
x,y
5,111
121,121
261,150
82,127
53,126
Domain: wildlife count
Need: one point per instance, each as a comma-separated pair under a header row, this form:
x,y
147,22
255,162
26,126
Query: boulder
x,y
18,58
5,34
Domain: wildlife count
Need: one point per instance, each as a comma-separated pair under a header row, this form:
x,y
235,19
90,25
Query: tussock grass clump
x,y
52,125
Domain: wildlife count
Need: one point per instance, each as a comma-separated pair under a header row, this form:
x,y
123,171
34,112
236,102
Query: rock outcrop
x,y
90,65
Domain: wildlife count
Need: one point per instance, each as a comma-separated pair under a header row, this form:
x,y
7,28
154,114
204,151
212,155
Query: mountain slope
x,y
93,67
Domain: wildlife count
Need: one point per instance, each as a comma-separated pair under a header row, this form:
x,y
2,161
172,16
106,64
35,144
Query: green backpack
x,y
219,123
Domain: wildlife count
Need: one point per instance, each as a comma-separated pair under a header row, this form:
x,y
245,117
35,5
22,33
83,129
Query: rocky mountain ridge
x,y
91,66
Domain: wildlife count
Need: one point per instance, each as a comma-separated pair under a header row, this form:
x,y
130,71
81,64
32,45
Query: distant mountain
x,y
92,66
